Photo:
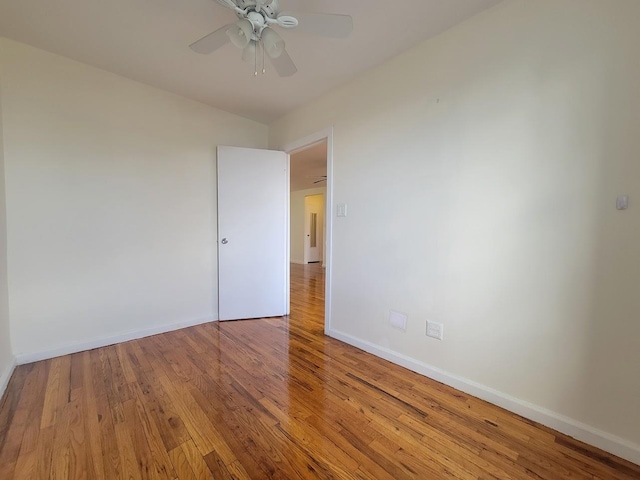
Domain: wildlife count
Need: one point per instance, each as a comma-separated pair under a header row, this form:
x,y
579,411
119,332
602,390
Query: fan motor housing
x,y
256,19
270,10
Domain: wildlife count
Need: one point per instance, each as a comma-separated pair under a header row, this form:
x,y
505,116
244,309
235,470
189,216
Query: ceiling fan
x,y
254,31
323,178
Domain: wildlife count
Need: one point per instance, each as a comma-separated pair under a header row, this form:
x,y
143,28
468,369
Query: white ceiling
x,y
308,166
147,40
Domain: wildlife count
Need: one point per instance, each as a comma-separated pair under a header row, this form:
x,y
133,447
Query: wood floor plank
x,y
138,359
98,377
230,423
82,466
196,423
125,361
219,470
118,377
159,405
43,454
61,461
181,464
131,470
26,465
75,377
111,462
31,406
111,384
150,466
92,423
51,407
17,420
148,430
267,398
196,461
252,435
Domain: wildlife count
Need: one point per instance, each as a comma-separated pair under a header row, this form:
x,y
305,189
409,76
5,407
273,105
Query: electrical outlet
x,y
435,330
398,320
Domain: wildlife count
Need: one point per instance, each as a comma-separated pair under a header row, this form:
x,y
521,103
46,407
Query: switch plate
x,y
435,330
398,320
622,202
341,209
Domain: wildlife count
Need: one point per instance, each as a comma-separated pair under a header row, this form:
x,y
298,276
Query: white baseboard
x,y
5,377
580,431
67,349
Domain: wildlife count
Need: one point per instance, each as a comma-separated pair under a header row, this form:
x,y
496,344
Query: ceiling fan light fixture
x,y
273,43
240,33
254,33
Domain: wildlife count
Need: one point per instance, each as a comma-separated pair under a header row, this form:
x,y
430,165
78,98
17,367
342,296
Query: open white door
x,y
253,229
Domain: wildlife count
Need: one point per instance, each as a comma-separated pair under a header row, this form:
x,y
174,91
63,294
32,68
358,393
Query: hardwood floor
x,y
269,398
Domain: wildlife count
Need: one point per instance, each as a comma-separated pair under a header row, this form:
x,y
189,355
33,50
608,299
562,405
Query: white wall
x,y
482,168
297,219
111,202
6,354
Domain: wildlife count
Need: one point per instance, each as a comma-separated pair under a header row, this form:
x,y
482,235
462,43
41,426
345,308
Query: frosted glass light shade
x,y
273,43
240,33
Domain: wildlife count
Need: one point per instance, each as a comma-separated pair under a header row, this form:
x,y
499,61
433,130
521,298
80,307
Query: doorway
x,y
308,191
311,206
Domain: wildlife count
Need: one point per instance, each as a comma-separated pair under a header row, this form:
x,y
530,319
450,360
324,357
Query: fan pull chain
x,y
264,70
255,59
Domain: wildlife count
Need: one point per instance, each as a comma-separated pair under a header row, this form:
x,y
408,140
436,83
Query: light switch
x,y
341,209
622,202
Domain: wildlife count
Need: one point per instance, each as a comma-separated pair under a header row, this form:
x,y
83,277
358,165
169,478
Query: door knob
x,y
224,241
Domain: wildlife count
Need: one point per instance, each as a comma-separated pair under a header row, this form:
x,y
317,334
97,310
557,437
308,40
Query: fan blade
x,y
211,42
284,65
228,3
324,24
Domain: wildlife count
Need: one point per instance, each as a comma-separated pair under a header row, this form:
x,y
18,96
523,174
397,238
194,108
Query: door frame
x,y
300,144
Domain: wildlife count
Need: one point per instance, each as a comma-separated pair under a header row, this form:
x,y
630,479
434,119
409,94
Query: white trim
x,y
580,431
5,377
217,305
287,222
308,141
76,347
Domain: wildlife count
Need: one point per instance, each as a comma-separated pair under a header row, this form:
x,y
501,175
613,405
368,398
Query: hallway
x,y
307,296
